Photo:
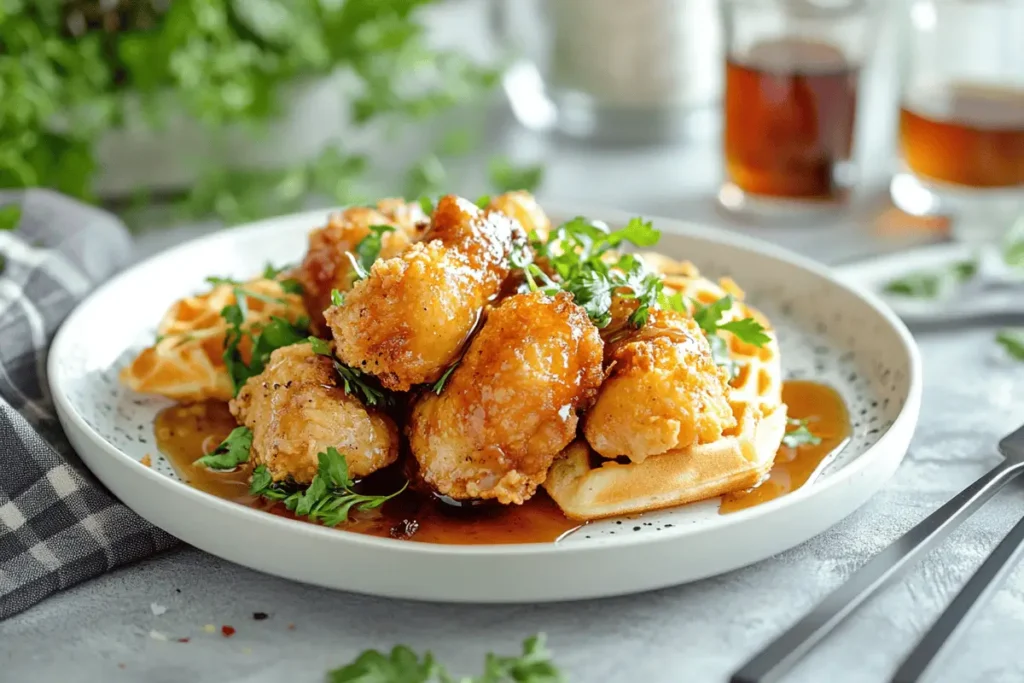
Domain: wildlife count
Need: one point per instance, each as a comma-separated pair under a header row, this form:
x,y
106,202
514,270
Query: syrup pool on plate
x,y
824,412
186,432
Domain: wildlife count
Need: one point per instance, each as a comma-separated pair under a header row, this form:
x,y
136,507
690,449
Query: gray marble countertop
x,y
695,633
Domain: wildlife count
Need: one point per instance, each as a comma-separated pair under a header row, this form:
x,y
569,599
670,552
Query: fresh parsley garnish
x,y
427,205
505,176
709,317
355,382
367,251
577,253
265,338
329,497
320,346
483,201
232,451
337,298
403,665
930,284
800,435
439,384
1013,341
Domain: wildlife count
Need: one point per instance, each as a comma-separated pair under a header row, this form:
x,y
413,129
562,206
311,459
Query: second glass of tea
x,y
962,115
793,70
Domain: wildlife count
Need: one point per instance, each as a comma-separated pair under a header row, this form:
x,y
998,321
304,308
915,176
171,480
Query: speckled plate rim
x,y
897,436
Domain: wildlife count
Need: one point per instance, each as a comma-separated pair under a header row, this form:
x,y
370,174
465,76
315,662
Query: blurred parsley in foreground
x,y
402,665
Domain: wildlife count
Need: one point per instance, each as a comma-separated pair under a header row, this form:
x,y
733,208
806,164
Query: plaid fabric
x,y
58,525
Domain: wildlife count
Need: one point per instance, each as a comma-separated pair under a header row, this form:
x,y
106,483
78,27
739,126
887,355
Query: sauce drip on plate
x,y
826,418
186,432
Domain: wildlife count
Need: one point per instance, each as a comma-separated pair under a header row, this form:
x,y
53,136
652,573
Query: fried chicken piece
x,y
523,208
326,265
410,319
296,410
511,405
664,392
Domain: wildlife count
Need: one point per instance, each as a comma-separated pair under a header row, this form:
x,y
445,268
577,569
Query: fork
x,y
787,649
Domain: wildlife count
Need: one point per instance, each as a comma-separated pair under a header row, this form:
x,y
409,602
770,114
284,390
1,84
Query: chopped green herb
x,y
427,205
483,201
403,665
439,384
232,451
337,298
265,339
1012,341
576,251
320,346
271,272
1013,249
329,497
746,330
800,435
358,383
368,250
932,284
504,176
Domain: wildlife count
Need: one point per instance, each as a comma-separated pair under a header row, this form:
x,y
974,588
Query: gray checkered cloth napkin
x,y
58,525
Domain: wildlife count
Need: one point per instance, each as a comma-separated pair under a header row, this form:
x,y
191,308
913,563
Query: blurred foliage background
x,y
71,71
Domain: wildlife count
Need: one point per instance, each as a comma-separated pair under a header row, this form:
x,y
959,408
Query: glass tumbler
x,y
793,71
961,131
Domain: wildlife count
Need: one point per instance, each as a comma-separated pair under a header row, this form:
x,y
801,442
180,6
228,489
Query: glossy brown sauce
x,y
827,419
186,432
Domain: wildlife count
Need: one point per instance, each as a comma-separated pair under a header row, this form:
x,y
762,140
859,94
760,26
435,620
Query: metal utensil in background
x,y
791,646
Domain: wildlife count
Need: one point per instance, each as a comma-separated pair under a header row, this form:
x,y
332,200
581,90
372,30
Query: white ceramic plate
x,y
828,332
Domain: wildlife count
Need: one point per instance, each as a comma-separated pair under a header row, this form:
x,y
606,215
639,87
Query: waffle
x,y
586,486
186,363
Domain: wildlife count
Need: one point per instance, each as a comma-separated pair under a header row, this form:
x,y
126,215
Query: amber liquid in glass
x,y
968,135
789,116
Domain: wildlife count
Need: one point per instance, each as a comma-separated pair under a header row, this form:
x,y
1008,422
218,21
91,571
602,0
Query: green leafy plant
x,y
72,71
798,434
231,452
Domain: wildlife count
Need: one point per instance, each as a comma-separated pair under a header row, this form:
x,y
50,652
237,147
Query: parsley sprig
x,y
265,338
799,434
328,499
355,381
403,665
232,451
577,253
709,319
367,251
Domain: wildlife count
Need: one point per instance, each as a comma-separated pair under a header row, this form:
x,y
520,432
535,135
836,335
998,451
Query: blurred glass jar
x,y
636,71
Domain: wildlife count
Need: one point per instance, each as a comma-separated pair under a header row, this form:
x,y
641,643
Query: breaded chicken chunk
x,y
410,319
664,392
296,410
523,208
511,404
326,265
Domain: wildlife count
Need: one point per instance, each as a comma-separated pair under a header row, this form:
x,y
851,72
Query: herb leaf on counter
x,y
800,436
232,451
403,665
930,284
329,497
1013,341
